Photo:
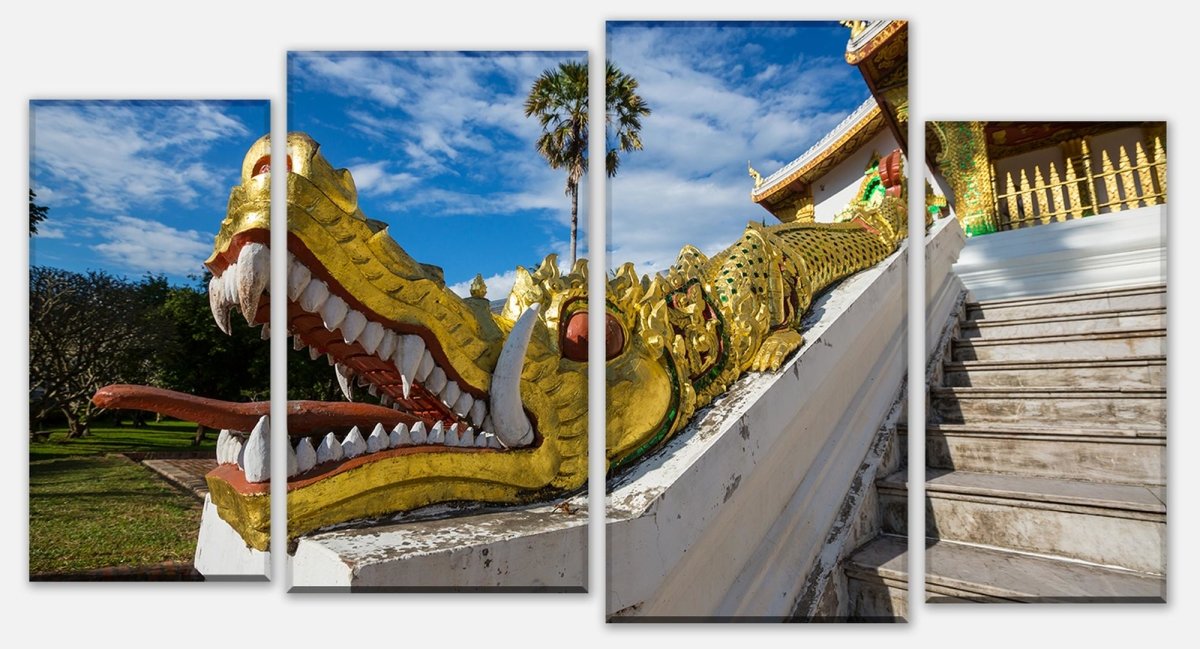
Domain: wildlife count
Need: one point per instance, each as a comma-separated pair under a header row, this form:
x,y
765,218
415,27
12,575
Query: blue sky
x,y
440,149
136,187
722,94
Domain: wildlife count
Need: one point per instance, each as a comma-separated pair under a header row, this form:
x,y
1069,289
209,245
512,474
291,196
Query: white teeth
x,y
508,413
405,385
254,276
373,389
387,346
425,367
436,380
487,422
437,435
385,400
378,439
353,325
451,436
330,450
292,464
344,376
313,296
229,282
494,442
414,349
464,403
478,412
306,456
481,440
399,436
265,333
354,445
298,277
417,433
333,312
256,455
313,353
217,304
450,393
330,359
467,437
235,450
371,336
297,344
223,447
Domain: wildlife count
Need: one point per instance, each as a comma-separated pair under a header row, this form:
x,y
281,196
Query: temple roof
x,y
837,145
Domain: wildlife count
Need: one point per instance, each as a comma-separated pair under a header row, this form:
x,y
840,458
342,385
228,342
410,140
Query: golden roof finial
x,y
758,179
856,26
478,287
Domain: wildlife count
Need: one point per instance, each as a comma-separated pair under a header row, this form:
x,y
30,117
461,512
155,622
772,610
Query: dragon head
x,y
470,405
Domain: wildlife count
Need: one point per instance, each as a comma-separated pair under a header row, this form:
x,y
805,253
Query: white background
x,y
997,60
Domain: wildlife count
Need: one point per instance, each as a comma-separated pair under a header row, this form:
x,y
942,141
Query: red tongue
x,y
303,417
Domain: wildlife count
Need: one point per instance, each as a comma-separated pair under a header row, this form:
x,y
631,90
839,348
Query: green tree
x,y
87,330
559,100
37,213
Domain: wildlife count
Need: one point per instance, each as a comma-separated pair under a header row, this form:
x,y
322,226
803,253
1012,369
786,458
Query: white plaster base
x,y
538,548
728,518
221,554
1097,252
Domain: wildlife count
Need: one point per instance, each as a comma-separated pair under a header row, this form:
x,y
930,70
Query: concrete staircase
x,y
1045,456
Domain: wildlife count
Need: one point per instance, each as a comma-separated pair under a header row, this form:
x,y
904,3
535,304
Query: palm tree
x,y
559,99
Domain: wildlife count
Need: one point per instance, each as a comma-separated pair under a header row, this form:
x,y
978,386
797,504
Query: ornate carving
x,y
963,161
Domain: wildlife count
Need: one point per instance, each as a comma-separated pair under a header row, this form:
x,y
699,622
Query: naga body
x,y
463,403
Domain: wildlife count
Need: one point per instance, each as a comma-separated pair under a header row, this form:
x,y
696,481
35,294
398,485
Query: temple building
x,y
825,178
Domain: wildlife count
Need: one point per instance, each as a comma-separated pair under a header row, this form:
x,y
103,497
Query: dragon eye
x,y
575,337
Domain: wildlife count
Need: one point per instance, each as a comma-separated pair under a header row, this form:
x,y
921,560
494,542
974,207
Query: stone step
x,y
1079,454
877,579
1058,325
1147,372
1141,408
956,572
1138,297
1103,345
1121,526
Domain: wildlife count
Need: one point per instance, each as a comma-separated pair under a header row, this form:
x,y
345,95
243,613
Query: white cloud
x,y
713,111
50,232
139,245
114,155
374,178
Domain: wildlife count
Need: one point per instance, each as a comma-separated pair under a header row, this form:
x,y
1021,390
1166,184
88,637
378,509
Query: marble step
x,y
1101,345
1133,298
958,572
1147,372
1115,525
1142,408
877,579
1058,325
1125,456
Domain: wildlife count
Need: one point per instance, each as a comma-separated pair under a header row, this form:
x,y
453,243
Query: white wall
x,y
730,516
836,188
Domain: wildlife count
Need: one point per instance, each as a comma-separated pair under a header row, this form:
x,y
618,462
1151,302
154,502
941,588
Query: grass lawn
x,y
163,436
89,510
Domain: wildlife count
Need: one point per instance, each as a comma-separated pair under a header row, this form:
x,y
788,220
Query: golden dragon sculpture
x,y
471,405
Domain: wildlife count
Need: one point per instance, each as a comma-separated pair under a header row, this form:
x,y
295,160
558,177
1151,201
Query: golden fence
x,y
1083,189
